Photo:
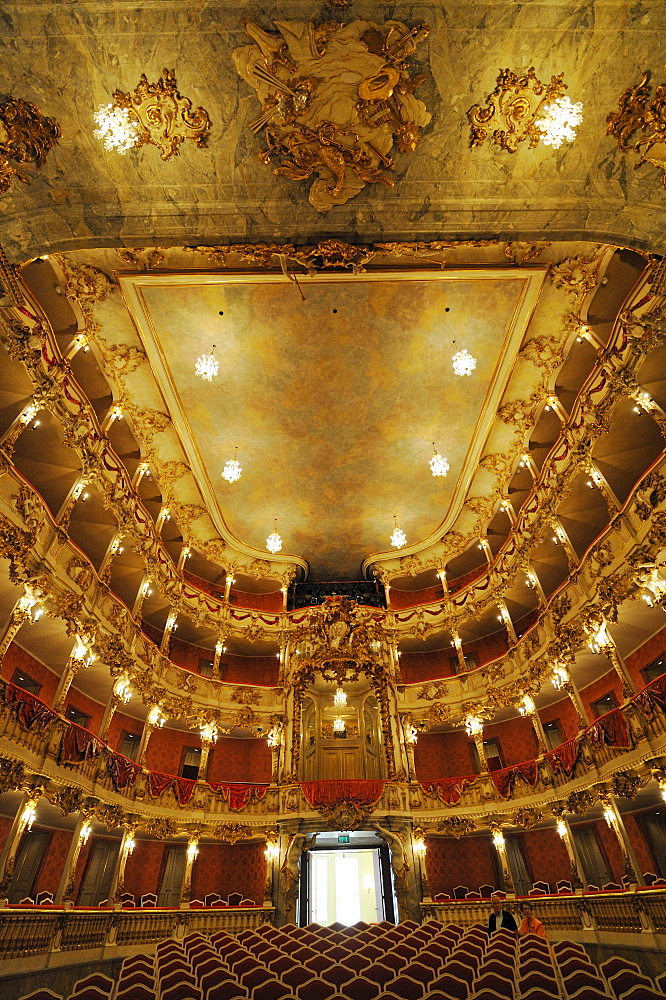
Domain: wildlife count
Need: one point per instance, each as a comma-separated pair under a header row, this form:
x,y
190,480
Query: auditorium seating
x,y
367,962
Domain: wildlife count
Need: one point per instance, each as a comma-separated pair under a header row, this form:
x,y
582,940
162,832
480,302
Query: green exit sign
x,y
343,838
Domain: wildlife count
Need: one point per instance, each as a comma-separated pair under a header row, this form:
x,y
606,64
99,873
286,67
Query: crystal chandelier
x,y
338,725
463,363
207,366
274,542
439,466
232,470
398,538
340,698
116,127
557,121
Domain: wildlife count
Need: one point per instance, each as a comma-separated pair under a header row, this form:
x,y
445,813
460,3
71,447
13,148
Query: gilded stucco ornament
x,y
159,116
232,833
517,110
640,123
336,98
26,136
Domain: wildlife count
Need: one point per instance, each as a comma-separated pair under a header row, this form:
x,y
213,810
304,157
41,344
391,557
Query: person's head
x,y
526,909
496,902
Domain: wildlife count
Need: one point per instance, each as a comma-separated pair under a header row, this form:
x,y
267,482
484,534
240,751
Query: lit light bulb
x,y
439,465
274,542
340,698
473,725
207,366
118,128
398,537
338,725
558,120
29,815
463,363
561,828
232,470
85,832
498,839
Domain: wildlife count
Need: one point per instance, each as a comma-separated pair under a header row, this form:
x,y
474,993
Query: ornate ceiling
x,y
222,193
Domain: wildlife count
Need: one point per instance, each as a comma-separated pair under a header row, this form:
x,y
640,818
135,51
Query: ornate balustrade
x,y
642,912
627,737
44,931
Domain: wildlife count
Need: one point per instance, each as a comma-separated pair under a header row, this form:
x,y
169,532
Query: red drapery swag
x,y
123,771
653,696
326,794
30,711
506,778
447,790
238,796
78,744
565,757
182,788
611,729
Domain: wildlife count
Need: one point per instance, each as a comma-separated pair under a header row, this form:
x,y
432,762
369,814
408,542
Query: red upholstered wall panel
x,y
185,654
564,712
225,868
260,602
451,862
547,856
53,864
122,723
239,760
644,855
443,755
488,648
400,599
5,827
85,704
16,658
602,686
648,652
165,749
517,740
143,867
81,864
461,581
261,670
419,667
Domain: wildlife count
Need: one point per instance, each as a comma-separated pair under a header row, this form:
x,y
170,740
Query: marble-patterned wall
x,y
68,57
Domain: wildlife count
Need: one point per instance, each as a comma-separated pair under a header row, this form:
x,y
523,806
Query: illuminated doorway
x,y
347,877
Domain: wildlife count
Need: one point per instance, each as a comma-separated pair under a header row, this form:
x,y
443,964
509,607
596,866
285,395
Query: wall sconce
x,y
84,832
527,706
29,814
338,725
473,725
609,816
418,843
192,850
560,677
498,839
561,828
155,717
208,733
272,852
130,844
123,690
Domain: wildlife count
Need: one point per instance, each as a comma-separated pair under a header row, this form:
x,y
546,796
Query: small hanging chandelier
x,y
274,542
207,366
439,466
232,470
340,698
463,363
398,538
118,128
557,121
338,725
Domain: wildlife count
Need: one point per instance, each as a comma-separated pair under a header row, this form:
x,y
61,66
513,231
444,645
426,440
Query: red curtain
x,y
123,771
611,729
158,783
447,790
505,779
654,695
239,796
30,711
564,757
326,794
78,744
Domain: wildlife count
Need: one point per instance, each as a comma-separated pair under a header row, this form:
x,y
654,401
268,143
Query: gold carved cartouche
x,y
336,98
165,118
642,112
511,112
26,135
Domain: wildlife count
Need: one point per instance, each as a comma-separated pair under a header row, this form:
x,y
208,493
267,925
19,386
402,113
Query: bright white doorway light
x,y
345,886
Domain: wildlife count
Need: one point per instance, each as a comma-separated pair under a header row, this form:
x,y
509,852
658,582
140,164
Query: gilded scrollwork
x,y
640,125
336,98
511,112
26,136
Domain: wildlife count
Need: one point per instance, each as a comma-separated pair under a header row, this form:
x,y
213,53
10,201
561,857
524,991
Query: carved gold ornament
x,y
154,113
522,107
26,135
336,98
640,111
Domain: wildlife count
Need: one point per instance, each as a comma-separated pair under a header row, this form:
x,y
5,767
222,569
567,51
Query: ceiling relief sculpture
x,y
26,136
640,124
336,99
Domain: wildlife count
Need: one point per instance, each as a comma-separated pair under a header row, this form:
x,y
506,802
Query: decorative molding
x,y
26,136
640,123
512,109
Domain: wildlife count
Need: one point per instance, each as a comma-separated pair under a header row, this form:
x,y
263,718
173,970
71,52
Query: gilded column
x,y
614,819
80,837
272,855
474,727
190,857
127,845
577,872
23,820
22,613
528,708
208,738
154,720
79,659
26,417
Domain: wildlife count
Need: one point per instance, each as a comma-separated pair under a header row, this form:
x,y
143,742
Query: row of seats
x,y
563,887
129,901
368,962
